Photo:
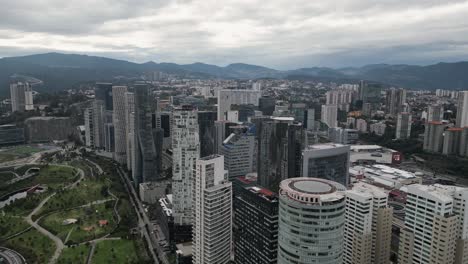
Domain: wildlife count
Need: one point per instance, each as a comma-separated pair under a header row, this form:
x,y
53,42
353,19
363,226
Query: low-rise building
x,y
48,128
150,192
384,176
11,134
370,154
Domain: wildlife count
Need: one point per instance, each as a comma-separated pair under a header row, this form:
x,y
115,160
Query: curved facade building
x,y
311,221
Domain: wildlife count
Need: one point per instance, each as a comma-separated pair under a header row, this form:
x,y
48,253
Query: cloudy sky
x,y
283,34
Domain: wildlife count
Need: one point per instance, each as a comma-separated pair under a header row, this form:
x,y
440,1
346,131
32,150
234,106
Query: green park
x,y
72,212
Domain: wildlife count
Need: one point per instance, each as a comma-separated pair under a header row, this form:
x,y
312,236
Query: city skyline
x,y
278,35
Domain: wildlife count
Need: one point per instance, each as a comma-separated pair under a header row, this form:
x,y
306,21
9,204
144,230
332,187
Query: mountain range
x,y
63,71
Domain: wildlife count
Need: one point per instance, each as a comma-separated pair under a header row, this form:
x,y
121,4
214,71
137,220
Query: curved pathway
x,y
58,242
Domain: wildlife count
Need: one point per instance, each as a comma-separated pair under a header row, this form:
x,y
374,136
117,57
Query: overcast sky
x,y
283,34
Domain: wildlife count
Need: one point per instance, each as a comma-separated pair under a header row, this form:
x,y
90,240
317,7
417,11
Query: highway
x,y
156,251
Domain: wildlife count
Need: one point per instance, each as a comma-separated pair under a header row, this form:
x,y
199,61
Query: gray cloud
x,y
277,33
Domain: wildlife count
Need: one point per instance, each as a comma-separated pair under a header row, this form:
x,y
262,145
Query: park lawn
x,y
90,218
53,176
54,224
34,246
86,192
76,254
5,157
6,176
56,176
87,217
17,153
25,150
115,251
22,207
11,224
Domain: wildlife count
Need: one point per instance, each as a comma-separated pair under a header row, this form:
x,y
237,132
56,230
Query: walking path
x,y
60,245
58,242
93,246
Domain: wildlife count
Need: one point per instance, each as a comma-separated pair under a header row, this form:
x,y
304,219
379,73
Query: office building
x,y
368,226
147,137
222,130
21,97
343,135
330,115
94,118
242,113
109,137
403,128
120,123
256,225
326,161
452,141
435,113
206,132
301,239
464,143
367,109
309,123
395,101
239,153
280,142
130,128
434,136
370,95
212,203
298,111
462,109
103,92
228,97
185,152
267,105
436,227
10,134
48,128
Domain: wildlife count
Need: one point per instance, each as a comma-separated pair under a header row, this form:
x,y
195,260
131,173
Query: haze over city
x,y
279,33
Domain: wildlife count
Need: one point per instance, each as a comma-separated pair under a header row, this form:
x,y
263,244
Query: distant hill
x,y
62,71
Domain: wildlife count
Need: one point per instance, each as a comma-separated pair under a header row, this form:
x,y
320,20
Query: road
x,y
150,237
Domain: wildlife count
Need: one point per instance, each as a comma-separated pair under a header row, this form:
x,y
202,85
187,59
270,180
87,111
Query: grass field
x,y
5,157
35,247
87,191
115,251
75,255
11,224
87,217
54,177
5,176
19,152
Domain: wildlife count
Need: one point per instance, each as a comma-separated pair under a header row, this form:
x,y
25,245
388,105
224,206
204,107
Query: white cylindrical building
x,y
311,221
